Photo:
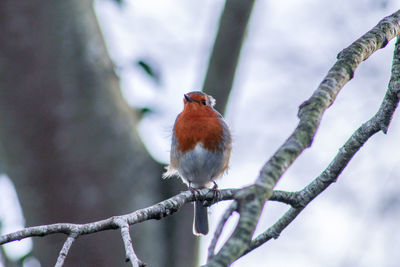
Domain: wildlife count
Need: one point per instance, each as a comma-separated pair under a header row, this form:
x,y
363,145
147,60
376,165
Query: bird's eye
x,y
204,102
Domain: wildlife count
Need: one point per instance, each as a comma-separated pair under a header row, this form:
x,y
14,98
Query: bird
x,y
200,149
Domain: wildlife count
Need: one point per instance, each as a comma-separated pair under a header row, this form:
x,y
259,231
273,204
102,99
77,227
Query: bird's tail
x,y
200,222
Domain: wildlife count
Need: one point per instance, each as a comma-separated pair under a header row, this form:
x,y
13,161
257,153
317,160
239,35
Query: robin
x,y
200,149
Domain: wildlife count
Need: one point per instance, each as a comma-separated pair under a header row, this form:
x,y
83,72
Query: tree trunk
x,y
225,54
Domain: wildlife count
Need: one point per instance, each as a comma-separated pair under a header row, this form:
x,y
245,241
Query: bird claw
x,y
195,191
216,193
215,187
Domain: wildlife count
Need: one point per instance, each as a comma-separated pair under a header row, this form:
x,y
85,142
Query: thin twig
x,y
130,254
65,249
218,231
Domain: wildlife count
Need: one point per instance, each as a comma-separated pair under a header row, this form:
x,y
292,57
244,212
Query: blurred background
x,y
89,91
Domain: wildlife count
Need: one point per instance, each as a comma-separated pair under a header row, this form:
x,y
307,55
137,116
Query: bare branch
x,y
379,122
162,209
220,227
157,211
65,249
251,200
275,230
290,198
130,254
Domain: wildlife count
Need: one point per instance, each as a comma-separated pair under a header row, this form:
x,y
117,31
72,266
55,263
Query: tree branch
x,y
252,199
157,211
130,254
65,249
379,122
220,227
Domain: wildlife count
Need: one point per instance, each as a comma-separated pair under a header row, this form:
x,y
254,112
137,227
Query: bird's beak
x,y
188,98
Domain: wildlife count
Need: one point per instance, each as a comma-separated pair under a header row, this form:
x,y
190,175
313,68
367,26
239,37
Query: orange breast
x,y
190,129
